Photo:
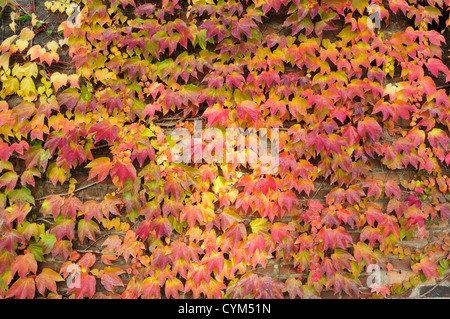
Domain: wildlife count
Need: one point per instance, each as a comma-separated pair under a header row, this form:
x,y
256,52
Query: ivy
x,y
347,99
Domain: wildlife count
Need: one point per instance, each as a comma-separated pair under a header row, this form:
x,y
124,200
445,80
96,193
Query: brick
x,y
414,242
398,277
286,270
400,264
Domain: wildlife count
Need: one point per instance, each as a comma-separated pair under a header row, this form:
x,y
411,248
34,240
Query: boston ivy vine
x,y
348,99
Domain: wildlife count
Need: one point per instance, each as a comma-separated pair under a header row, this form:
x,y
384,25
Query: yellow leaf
x,y
102,74
58,80
12,25
34,19
11,85
4,61
26,34
29,69
7,43
41,90
27,86
53,46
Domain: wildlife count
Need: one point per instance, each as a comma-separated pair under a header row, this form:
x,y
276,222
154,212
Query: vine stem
x,y
434,287
67,194
24,7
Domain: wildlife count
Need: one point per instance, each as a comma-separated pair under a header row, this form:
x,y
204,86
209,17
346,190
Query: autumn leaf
x,y
22,289
47,280
191,214
123,170
52,205
58,80
71,206
99,167
63,228
248,108
110,278
287,199
172,287
150,288
429,268
216,114
104,130
87,286
87,229
294,287
23,265
372,234
370,127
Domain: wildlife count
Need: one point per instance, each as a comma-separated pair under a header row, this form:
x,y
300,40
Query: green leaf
x,y
260,225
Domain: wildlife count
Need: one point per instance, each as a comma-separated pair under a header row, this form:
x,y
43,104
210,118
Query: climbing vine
x,y
347,98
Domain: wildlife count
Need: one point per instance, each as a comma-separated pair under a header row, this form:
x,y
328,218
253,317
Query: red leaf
x,y
71,206
375,188
429,268
340,282
24,264
280,230
354,194
391,188
173,186
62,248
334,238
17,212
47,280
436,65
215,114
341,259
92,209
104,130
248,108
123,169
254,242
150,288
215,261
87,261
172,287
9,179
192,213
363,251
437,136
371,127
109,205
63,227
294,287
52,205
373,213
244,25
287,199
22,289
99,167
87,286
110,278
371,233
87,229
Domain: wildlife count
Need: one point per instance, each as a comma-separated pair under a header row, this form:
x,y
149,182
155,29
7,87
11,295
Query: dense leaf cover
x,y
347,97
